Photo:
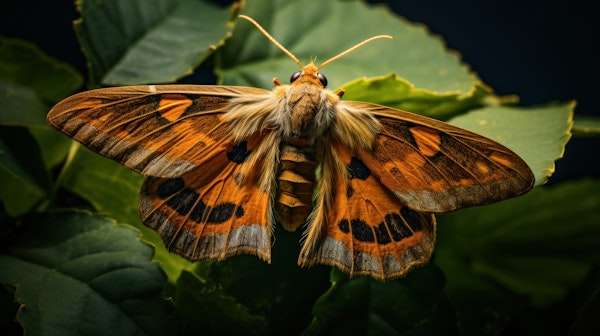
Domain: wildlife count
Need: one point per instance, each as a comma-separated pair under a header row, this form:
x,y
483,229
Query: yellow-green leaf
x,y
538,134
322,29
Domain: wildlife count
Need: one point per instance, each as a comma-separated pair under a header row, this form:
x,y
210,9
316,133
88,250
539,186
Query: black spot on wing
x,y
217,214
361,231
221,212
183,201
239,211
412,218
170,187
357,169
397,228
382,234
394,227
344,225
349,191
239,153
199,211
187,202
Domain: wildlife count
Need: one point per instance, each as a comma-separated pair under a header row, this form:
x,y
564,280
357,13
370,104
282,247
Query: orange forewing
x,y
162,131
432,166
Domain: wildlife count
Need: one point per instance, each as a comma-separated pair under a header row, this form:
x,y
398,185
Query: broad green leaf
x,y
53,144
322,29
414,305
586,125
21,157
208,310
18,197
393,91
148,41
77,273
538,134
23,175
114,190
24,65
108,186
30,81
538,246
21,106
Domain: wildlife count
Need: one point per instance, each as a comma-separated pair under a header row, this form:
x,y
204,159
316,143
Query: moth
x,y
225,163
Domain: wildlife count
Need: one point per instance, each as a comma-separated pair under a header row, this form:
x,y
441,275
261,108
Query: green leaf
x,y
17,196
538,246
77,273
24,65
208,310
538,134
414,305
23,175
53,144
148,41
322,29
30,81
398,93
21,106
108,186
113,189
586,126
21,157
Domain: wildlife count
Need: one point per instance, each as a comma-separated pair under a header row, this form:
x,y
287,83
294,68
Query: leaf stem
x,y
65,168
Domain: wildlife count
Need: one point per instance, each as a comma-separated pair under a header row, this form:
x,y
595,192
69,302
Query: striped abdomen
x,y
296,181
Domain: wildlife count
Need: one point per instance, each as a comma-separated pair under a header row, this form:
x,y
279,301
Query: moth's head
x,y
310,73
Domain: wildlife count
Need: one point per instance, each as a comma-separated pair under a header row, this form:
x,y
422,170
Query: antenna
x,y
340,55
273,40
349,50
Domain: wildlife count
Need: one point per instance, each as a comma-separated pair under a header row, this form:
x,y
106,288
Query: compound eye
x,y
295,76
323,79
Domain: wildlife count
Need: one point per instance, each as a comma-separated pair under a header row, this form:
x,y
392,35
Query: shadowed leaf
x,y
84,274
148,41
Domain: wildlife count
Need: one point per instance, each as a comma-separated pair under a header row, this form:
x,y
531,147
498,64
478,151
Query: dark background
x,y
540,50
